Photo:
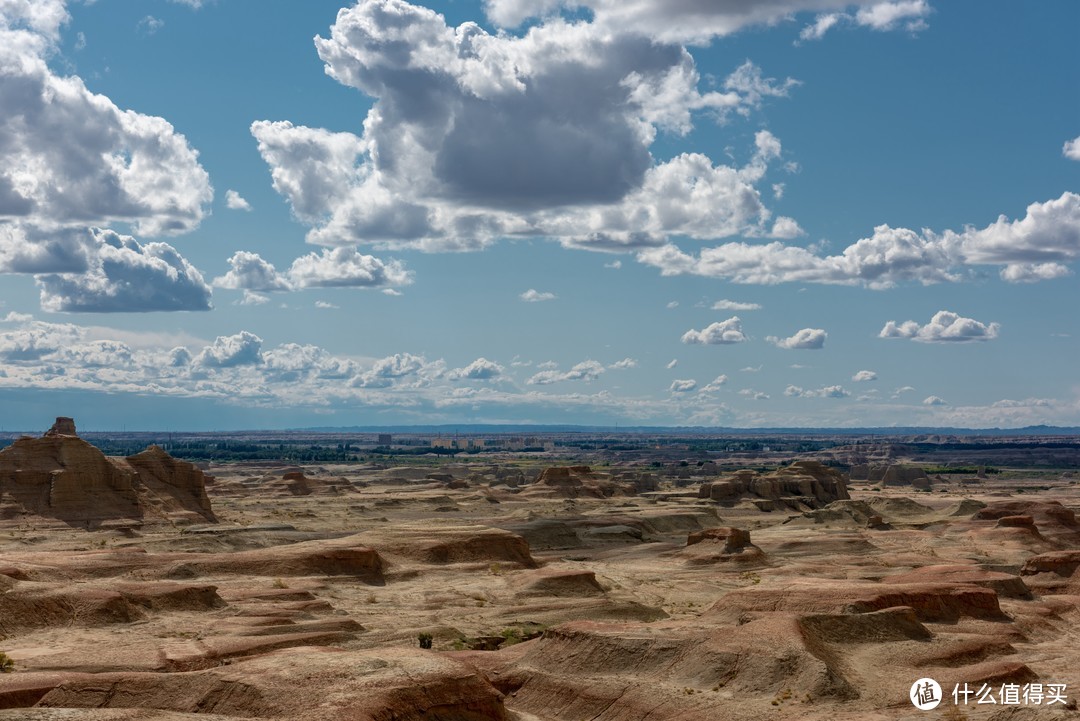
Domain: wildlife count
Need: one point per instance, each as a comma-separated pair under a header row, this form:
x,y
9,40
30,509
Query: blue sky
x,y
223,214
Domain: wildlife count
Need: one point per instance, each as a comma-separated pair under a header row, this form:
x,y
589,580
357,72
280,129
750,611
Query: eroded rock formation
x,y
802,484
60,476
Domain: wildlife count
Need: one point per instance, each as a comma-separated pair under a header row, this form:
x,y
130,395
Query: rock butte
x,y
606,592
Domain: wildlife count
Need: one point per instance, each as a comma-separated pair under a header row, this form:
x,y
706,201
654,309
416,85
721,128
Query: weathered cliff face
x,y
179,485
64,477
803,483
61,476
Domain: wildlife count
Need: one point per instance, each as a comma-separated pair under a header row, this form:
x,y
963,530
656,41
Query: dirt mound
x,y
406,685
545,534
939,602
577,482
1005,584
721,545
450,544
296,483
559,583
60,476
34,606
342,557
1053,572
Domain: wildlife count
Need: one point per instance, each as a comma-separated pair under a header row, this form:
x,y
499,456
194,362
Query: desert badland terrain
x,y
529,586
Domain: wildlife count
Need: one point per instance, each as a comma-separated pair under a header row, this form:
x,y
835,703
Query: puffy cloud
x,y
944,327
35,340
753,394
346,267
252,298
228,351
126,276
480,369
825,392
324,305
70,157
672,363
235,201
864,376
398,365
715,384
30,249
909,15
786,228
1071,149
149,25
1033,247
805,339
623,364
588,370
698,21
534,296
682,386
822,24
934,401
720,333
250,272
459,112
614,265
735,305
1033,272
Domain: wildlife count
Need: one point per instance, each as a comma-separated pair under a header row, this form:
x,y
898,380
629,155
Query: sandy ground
x,y
598,607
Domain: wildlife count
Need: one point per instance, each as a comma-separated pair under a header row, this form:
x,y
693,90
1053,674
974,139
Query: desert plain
x,y
534,586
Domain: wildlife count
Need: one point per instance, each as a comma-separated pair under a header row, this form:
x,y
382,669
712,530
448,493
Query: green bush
x,y
425,640
7,665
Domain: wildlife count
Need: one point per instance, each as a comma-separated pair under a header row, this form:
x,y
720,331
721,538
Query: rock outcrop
x,y
803,484
60,476
581,482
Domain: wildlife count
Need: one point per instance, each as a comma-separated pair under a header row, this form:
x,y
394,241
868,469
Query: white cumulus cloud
x,y
735,305
682,386
725,332
480,369
864,376
1071,149
535,296
235,201
715,384
346,268
1034,247
805,339
944,327
124,275
588,370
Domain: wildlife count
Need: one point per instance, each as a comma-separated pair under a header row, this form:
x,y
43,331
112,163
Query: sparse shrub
x,y
7,665
371,598
496,569
750,577
425,640
278,583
